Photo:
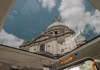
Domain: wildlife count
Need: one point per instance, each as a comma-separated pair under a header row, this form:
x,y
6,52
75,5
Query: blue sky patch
x,y
28,18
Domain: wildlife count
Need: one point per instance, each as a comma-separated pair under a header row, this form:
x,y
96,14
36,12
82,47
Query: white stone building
x,y
57,40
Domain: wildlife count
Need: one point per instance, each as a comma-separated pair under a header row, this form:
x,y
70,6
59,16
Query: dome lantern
x,y
56,19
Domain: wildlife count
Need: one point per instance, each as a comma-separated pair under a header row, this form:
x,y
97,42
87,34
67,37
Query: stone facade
x,y
57,40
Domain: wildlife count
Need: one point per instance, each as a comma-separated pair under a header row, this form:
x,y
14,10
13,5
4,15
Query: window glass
x,y
42,47
86,65
29,18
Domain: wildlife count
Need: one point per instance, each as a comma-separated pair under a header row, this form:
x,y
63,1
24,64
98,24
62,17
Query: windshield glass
x,y
63,24
87,65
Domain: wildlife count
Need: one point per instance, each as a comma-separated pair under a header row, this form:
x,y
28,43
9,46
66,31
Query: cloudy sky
x,y
10,39
28,18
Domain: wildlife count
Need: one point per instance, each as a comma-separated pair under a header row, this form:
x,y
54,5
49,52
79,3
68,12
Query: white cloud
x,y
39,0
48,4
95,21
31,6
10,39
73,14
11,15
14,11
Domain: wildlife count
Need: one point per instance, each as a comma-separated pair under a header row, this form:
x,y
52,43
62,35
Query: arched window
x,y
56,32
42,48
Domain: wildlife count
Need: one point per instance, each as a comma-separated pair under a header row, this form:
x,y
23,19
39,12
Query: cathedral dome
x,y
56,23
58,28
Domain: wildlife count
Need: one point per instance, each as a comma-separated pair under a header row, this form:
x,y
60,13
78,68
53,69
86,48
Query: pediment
x,y
42,38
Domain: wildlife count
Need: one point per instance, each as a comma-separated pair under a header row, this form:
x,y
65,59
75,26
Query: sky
x,y
28,18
